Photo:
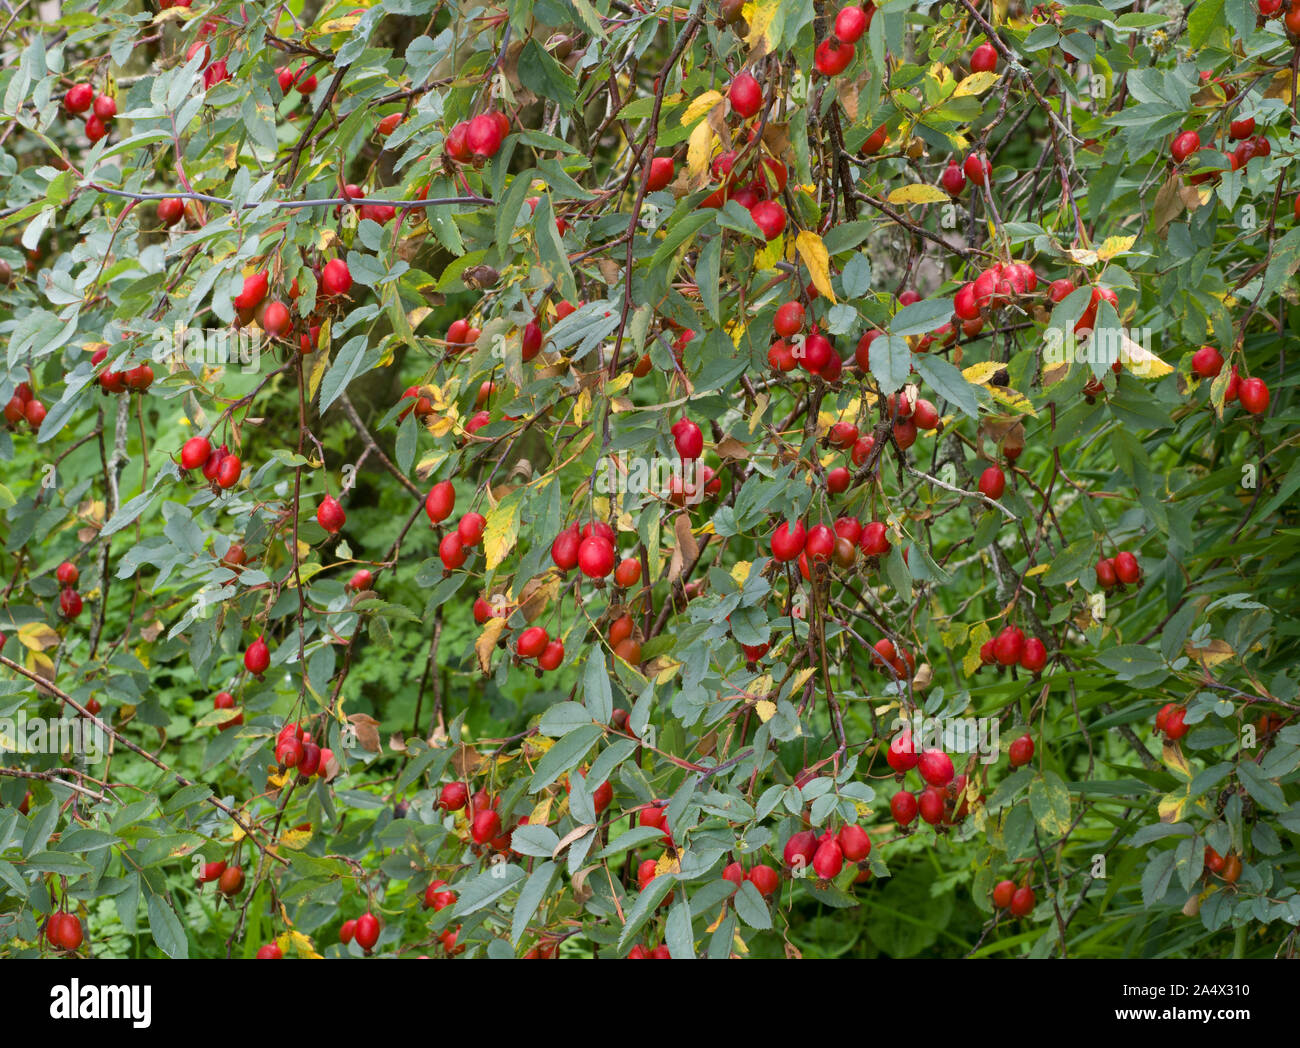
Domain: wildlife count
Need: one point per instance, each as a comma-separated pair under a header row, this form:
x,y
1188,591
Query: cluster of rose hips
x,y
1010,647
835,54
1120,570
1226,867
826,852
364,929
301,80
477,139
814,352
1252,393
69,599
295,748
81,98
769,177
230,879
133,380
334,280
24,407
219,466
1018,899
216,72
1249,146
943,800
468,533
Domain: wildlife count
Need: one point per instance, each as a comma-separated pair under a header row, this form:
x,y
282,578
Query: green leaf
x,y
166,928
564,755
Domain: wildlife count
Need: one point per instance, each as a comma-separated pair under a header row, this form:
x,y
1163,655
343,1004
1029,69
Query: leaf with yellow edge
x,y
319,365
976,84
700,106
818,260
340,25
667,673
302,946
1175,761
699,149
766,709
759,17
981,373
918,193
36,636
1141,361
1013,399
977,636
296,840
1113,246
541,813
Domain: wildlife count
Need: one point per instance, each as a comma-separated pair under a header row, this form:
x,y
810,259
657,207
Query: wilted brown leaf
x,y
487,643
367,731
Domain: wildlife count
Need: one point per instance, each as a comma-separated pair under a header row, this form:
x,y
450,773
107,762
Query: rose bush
x,y
609,478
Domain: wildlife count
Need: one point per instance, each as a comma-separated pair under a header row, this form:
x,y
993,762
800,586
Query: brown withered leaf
x,y
777,139
487,643
397,742
465,761
731,448
1169,204
367,731
686,538
611,272
537,594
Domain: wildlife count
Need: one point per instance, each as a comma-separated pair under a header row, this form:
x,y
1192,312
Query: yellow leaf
x,y
37,636
700,106
759,16
740,572
818,260
977,636
581,406
667,864
918,193
295,840
766,710
1140,360
667,673
976,84
320,363
699,149
341,25
1113,246
302,946
541,812
1213,653
1037,569
981,373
